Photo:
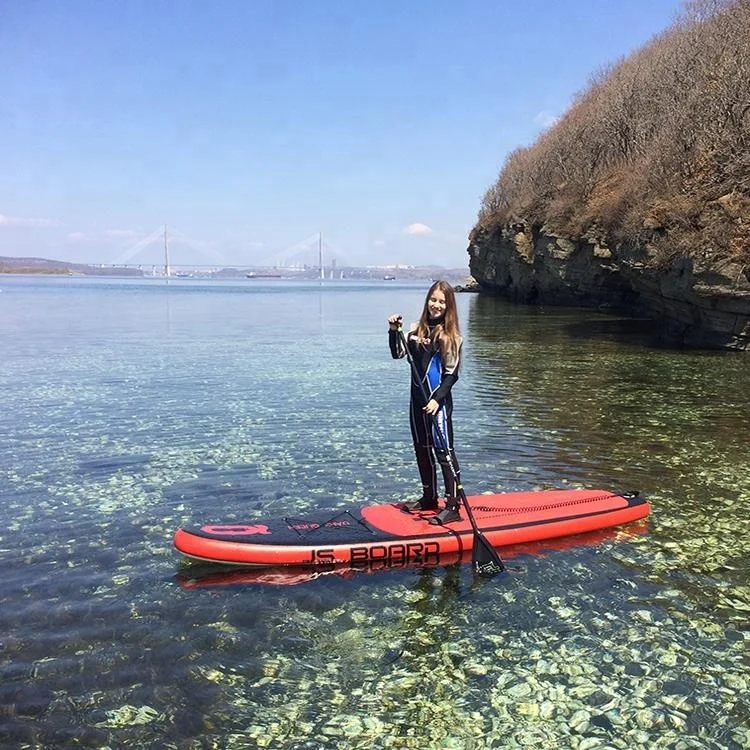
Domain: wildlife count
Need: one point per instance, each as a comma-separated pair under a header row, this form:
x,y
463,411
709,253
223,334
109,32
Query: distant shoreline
x,y
46,267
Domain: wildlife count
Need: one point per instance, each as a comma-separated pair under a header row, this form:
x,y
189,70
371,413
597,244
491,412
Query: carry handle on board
x,y
484,558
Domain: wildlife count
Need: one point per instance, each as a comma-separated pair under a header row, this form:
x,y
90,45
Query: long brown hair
x,y
447,333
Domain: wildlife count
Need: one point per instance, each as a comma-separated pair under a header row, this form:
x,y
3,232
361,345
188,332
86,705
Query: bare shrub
x,y
647,150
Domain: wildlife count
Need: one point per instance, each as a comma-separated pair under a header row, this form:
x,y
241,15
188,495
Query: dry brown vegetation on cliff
x,y
654,154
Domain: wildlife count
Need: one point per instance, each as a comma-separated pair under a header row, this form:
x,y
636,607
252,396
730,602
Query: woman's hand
x,y
394,322
432,407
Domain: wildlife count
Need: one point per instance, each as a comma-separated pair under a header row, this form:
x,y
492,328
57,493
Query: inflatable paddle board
x,y
197,575
385,533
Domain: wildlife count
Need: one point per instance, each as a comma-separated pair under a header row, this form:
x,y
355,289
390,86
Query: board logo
x,y
386,555
237,530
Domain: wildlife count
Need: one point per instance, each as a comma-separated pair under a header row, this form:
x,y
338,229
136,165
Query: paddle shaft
x,y
485,558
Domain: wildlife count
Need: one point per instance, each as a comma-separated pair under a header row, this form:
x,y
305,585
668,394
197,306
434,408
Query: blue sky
x,y
248,126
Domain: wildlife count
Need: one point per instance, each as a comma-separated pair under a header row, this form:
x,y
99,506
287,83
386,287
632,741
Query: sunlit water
x,y
132,407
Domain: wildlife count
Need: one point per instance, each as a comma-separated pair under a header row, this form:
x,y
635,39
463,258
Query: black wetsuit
x,y
438,377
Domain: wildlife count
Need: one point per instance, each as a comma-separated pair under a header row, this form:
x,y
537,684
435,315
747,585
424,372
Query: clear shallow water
x,y
130,408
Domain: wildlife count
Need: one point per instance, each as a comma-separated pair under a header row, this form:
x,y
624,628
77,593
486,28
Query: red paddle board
x,y
377,533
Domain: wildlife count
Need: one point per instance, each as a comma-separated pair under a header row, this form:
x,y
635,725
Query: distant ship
x,y
389,278
253,275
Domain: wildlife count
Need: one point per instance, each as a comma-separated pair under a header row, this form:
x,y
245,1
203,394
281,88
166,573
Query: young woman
x,y
435,347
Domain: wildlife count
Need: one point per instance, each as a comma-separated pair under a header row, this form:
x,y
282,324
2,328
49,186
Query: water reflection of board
x,y
374,533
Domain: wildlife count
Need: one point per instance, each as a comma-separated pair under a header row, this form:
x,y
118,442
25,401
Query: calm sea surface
x,y
131,407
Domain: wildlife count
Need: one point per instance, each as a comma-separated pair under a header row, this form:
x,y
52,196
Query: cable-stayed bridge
x,y
165,252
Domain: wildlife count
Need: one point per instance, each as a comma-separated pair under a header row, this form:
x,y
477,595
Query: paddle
x,y
484,557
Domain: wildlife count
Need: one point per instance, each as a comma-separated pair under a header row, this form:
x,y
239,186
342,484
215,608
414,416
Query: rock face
x,y
694,306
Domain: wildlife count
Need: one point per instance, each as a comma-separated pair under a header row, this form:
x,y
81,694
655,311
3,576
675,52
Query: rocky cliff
x,y
638,197
694,305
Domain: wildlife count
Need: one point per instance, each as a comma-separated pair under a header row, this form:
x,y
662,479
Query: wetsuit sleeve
x,y
396,345
394,342
450,374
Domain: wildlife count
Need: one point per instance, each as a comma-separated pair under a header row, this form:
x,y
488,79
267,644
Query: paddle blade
x,y
484,557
